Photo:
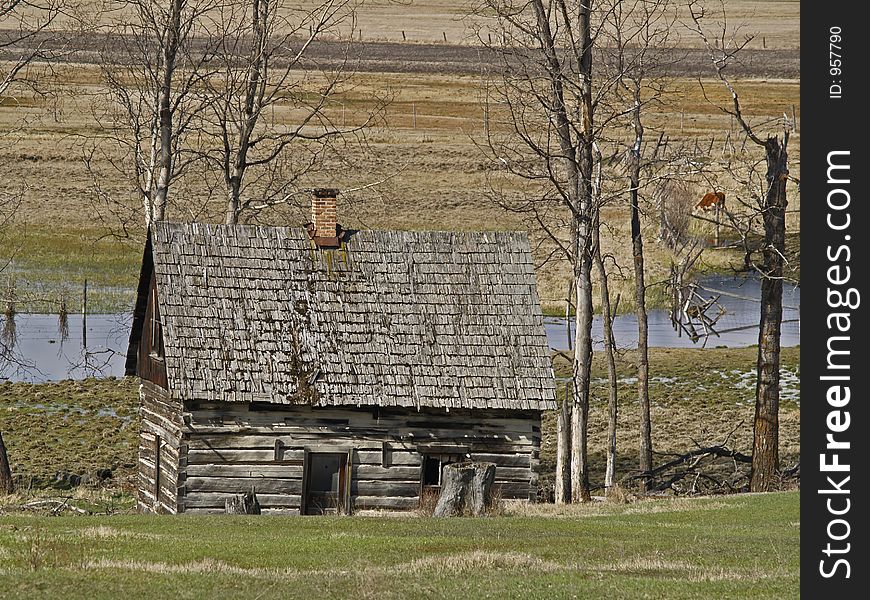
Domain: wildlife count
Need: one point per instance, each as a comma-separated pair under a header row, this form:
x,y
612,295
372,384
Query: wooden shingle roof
x,y
393,318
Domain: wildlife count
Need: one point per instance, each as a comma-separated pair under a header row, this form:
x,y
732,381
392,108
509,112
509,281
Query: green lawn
x,y
725,547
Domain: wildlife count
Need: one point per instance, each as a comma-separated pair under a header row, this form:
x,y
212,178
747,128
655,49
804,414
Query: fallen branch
x,y
57,506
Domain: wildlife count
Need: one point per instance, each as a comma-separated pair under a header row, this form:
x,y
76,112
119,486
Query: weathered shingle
x,y
393,318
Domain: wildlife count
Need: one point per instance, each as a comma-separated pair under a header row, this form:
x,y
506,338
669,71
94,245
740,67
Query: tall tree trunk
x,y
233,201
645,460
576,155
253,101
563,450
581,371
164,108
612,396
765,446
583,263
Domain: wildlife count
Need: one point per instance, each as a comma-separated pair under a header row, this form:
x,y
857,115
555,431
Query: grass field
x,y
727,547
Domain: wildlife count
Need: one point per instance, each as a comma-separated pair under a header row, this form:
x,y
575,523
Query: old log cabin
x,y
331,370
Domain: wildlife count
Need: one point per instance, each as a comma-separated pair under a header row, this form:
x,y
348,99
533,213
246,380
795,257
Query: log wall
x,y
230,448
162,457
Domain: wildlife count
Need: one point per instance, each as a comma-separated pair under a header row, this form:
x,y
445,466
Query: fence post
x,y
85,315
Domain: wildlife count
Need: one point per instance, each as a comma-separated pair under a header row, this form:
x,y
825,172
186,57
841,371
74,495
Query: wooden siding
x,y
162,453
231,448
151,364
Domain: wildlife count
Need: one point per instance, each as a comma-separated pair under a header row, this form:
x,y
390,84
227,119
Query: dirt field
x,y
776,22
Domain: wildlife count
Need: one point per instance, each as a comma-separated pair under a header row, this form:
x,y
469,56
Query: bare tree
x,y
637,33
156,58
769,202
25,41
220,99
264,68
607,311
559,126
546,88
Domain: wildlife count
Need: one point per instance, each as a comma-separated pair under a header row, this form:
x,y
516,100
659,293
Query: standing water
x,y
736,328
41,353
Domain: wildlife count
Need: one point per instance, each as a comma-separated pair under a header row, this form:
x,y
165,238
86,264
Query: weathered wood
x,y
7,486
512,490
466,489
218,500
280,471
221,460
243,504
245,436
239,485
160,432
504,460
212,455
403,489
385,502
378,472
410,458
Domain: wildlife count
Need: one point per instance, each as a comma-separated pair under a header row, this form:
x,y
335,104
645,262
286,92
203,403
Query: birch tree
x,y
549,107
156,58
262,159
638,35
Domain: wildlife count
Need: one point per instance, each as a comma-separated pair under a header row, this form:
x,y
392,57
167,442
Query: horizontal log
x,y
169,498
249,435
218,500
264,440
168,410
378,472
168,435
278,471
211,455
385,488
238,485
395,457
503,460
247,456
367,415
385,502
512,490
517,474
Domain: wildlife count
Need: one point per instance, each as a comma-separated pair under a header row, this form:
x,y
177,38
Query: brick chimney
x,y
324,228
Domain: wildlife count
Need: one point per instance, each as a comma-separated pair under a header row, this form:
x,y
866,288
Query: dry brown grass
x,y
440,178
777,21
699,398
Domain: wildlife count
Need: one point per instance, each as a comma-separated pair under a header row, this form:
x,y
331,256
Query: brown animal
x,y
710,200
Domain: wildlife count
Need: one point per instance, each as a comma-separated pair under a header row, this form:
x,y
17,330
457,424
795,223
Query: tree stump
x,y
466,489
6,484
244,504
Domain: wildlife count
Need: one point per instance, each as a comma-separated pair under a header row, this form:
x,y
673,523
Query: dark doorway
x,y
326,483
430,474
